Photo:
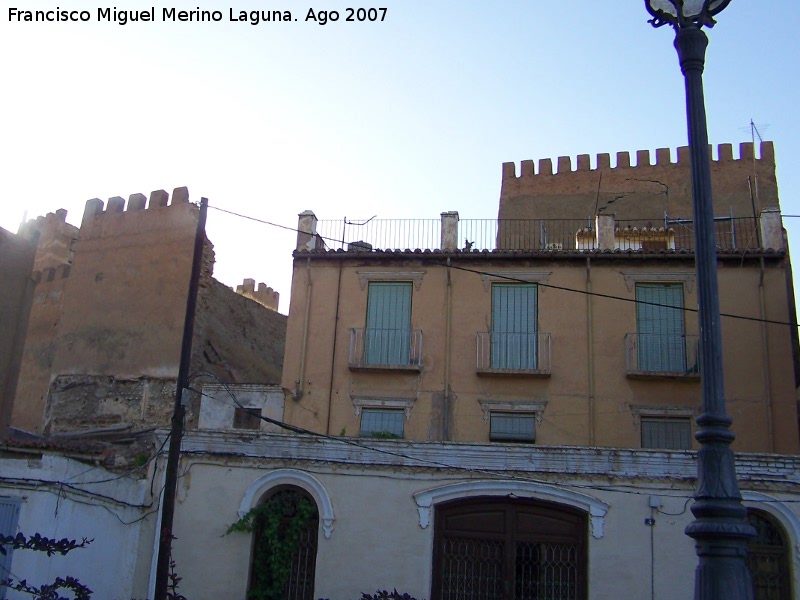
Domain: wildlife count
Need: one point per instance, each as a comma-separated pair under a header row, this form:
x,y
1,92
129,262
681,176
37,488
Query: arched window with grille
x,y
768,556
283,558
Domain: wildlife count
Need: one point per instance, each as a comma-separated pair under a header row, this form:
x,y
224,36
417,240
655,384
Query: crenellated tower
x,y
743,186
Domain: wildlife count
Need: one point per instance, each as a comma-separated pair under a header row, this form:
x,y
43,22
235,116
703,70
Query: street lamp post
x,y
720,528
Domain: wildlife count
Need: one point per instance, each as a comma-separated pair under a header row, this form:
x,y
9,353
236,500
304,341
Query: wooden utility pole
x,y
181,397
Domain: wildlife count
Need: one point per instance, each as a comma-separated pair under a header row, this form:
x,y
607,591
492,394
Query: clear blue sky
x,y
403,118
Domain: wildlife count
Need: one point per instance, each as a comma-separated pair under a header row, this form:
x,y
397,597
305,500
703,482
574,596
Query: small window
x,y
246,418
512,427
382,423
666,433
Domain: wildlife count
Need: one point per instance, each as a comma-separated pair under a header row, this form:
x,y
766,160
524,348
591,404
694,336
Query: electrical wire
x,y
546,285
621,488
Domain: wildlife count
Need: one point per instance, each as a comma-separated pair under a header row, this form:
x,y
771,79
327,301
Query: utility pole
x,y
181,393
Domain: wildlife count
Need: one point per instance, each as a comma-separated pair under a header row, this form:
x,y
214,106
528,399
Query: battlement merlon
x,y
732,179
136,202
663,157
264,295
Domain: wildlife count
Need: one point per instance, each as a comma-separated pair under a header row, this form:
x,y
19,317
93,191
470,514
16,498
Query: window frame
x,y
513,436
647,420
382,433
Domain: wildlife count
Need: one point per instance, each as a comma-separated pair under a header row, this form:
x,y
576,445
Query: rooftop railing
x,y
553,235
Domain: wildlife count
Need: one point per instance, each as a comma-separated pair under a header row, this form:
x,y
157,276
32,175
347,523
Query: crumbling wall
x,y
236,339
81,402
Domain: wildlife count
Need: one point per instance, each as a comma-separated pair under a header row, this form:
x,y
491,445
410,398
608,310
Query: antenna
x,y
754,188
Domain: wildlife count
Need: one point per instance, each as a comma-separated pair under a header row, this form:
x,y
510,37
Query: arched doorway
x,y
509,549
283,558
768,556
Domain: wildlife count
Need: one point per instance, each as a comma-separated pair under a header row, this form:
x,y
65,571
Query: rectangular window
x,y
9,515
387,338
514,340
512,427
659,328
666,433
382,423
246,418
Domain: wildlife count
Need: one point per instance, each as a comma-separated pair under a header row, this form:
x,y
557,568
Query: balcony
x,y
385,349
513,354
662,356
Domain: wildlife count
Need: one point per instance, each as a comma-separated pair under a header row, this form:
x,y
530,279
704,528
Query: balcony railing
x,y
740,233
385,349
551,235
662,355
513,353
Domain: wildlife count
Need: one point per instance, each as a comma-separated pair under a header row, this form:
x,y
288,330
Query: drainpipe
x,y
765,350
333,353
590,342
446,406
298,384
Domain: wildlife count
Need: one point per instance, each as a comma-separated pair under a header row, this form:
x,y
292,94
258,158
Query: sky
x,y
406,116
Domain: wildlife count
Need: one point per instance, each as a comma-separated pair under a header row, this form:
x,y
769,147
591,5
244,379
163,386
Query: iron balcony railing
x,y
663,233
524,353
667,355
386,348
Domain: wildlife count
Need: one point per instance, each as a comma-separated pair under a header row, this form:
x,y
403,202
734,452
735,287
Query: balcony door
x,y
514,342
659,327
387,338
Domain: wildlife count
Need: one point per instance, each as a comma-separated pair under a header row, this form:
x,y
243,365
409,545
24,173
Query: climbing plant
x,y
278,525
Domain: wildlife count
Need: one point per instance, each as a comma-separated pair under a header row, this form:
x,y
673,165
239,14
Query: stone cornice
x,y
485,458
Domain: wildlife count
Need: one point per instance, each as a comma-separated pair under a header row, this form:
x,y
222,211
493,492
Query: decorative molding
x,y
360,402
634,277
777,509
526,276
597,509
291,477
513,406
364,277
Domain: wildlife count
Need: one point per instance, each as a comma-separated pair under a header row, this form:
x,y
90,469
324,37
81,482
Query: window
x,y
382,423
289,516
659,327
387,337
666,433
9,514
246,418
495,548
768,558
512,427
514,326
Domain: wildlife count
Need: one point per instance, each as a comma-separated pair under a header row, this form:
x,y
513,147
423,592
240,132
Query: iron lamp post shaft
x,y
720,528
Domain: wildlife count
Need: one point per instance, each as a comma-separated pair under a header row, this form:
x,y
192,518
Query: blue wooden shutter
x,y
387,339
9,515
514,326
659,325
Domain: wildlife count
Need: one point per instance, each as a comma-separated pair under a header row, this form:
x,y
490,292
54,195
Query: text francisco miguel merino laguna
x,y
122,17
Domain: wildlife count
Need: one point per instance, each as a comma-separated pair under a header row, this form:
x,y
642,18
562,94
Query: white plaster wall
x,y
377,540
217,406
108,564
